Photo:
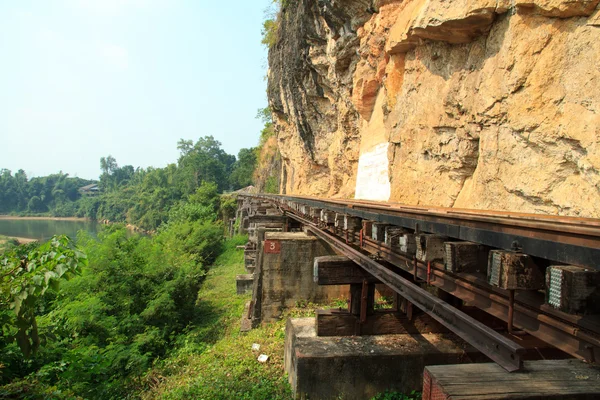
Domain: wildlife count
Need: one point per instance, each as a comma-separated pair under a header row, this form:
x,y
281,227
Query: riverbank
x,y
6,240
15,217
22,240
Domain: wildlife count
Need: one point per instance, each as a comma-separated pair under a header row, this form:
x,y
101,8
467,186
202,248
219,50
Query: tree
x,y
206,161
108,165
26,273
35,204
243,169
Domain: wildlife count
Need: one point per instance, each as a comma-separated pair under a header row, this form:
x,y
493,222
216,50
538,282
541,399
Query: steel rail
x,y
564,335
501,350
578,337
563,239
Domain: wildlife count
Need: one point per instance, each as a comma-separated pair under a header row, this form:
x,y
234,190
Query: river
x,y
44,229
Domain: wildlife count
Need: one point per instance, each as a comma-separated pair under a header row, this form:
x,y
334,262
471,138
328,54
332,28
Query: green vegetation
x,y
6,243
216,360
270,30
414,395
141,197
267,172
97,334
54,194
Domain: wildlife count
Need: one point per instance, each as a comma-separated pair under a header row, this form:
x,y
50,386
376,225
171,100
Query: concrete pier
x,y
359,367
284,275
244,283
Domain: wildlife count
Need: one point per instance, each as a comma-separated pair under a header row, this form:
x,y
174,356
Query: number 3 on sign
x,y
272,246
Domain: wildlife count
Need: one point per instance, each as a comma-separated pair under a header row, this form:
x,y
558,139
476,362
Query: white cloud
x,y
115,56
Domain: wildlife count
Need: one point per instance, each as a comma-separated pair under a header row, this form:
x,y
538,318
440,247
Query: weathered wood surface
x,y
378,232
367,228
408,243
356,303
513,270
339,270
343,323
547,379
352,223
383,322
393,235
430,247
573,289
465,257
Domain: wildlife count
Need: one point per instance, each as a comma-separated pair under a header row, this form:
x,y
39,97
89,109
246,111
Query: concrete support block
x,y
360,367
285,274
378,232
243,283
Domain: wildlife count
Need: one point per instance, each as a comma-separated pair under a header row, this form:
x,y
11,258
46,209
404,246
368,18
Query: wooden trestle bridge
x,y
537,273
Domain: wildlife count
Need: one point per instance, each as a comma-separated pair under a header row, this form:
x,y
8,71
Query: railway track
x,y
552,239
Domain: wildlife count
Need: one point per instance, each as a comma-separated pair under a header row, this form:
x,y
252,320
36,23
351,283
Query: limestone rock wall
x,y
491,104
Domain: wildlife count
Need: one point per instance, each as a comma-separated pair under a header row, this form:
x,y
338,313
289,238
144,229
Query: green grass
x,y
215,360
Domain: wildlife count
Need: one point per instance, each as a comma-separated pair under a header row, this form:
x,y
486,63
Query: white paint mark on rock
x,y
372,180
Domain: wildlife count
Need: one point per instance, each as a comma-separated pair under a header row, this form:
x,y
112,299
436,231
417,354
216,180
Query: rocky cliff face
x,y
490,104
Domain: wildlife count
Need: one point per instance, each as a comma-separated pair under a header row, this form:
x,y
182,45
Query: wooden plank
x,y
339,270
556,379
343,323
367,228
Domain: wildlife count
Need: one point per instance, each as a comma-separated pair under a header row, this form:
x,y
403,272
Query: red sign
x,y
272,246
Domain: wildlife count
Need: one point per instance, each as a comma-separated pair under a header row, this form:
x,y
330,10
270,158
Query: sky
x,y
84,79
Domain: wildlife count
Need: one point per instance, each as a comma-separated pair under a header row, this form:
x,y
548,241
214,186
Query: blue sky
x,y
82,79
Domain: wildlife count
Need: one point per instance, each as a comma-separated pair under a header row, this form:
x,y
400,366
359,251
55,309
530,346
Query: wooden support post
x,y
367,227
511,309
